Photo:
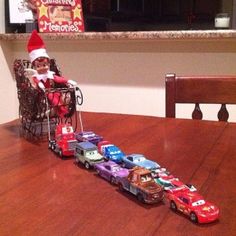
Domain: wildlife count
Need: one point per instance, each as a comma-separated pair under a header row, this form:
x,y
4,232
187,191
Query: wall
x,y
234,15
2,16
8,95
127,76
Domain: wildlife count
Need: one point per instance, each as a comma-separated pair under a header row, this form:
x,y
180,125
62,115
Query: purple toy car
x,y
88,136
111,171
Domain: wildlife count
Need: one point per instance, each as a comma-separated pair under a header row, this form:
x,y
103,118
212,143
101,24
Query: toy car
x,y
111,171
133,160
161,172
101,145
88,136
174,184
87,154
110,152
140,183
193,205
113,153
64,142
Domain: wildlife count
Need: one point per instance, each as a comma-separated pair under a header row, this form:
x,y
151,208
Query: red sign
x,y
60,16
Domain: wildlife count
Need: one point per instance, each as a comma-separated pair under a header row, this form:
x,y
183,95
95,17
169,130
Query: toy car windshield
x,y
198,203
113,152
145,178
115,168
90,153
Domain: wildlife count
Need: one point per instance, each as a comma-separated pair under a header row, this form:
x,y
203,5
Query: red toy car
x,y
64,142
193,205
101,145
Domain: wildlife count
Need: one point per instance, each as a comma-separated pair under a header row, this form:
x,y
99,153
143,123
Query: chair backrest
x,y
200,90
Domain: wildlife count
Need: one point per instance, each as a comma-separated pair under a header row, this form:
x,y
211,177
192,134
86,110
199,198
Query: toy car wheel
x,y
60,153
193,217
140,197
86,164
53,146
123,165
120,186
113,180
173,206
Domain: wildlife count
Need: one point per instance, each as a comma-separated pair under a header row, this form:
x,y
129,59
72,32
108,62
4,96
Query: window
x,y
134,178
79,151
108,167
137,15
130,158
185,200
145,15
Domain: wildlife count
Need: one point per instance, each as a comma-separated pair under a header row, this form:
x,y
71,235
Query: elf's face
x,y
42,65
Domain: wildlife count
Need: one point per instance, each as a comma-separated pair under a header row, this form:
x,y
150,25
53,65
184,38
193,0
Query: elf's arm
x,y
62,80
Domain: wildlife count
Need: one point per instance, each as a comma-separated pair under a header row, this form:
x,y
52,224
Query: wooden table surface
x,y
41,194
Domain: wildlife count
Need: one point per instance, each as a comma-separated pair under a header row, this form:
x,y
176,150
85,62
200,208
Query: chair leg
x,y
197,113
223,114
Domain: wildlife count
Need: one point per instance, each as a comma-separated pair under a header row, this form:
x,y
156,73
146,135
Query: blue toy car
x,y
112,153
130,161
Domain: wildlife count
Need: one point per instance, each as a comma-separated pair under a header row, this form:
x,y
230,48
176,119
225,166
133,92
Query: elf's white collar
x,y
44,77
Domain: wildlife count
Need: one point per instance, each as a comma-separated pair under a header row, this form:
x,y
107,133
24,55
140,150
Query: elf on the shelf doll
x,y
43,77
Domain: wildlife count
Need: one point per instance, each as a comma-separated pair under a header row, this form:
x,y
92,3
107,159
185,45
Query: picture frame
x,y
60,16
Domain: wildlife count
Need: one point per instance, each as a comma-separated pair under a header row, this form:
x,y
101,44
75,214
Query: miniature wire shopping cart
x,y
38,116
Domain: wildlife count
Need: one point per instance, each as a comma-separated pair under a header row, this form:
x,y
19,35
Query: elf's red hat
x,y
36,47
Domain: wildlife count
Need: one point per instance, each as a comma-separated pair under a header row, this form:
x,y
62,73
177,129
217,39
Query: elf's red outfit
x,y
43,78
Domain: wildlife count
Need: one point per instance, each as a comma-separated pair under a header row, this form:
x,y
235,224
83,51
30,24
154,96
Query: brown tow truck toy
x,y
141,183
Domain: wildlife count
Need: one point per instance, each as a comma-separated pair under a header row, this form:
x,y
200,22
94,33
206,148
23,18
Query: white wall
x,y
129,76
2,16
8,94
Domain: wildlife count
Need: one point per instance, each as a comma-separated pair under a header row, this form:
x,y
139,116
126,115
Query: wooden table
x,y
41,194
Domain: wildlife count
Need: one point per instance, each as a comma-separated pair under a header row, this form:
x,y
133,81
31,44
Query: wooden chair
x,y
200,89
